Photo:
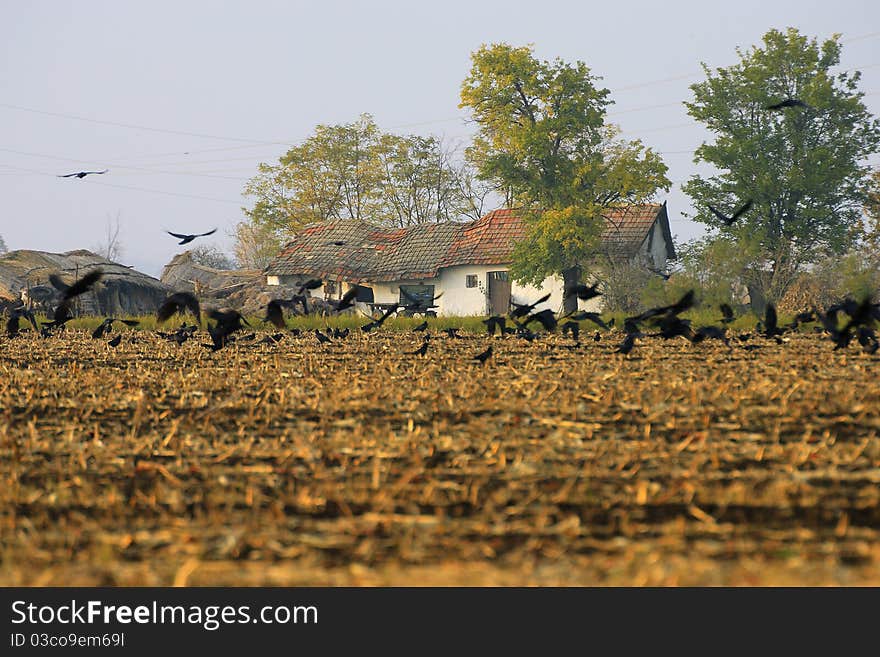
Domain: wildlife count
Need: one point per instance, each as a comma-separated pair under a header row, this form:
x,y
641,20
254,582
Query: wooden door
x,y
499,292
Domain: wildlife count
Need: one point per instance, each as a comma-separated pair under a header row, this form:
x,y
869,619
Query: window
x,y
417,295
470,280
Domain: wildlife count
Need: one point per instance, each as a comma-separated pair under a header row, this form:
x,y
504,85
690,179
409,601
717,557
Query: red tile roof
x,y
369,253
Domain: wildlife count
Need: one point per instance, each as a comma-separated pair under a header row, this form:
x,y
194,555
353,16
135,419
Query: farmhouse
x,y
465,265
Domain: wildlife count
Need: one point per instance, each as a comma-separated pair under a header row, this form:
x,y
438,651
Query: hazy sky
x,y
181,100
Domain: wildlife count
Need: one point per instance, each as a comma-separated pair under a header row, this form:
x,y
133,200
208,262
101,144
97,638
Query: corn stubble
x,y
357,463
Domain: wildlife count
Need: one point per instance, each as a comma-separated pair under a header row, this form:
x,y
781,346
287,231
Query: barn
x,y
464,265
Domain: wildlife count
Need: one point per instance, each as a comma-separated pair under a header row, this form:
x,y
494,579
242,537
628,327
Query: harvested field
x,y
353,463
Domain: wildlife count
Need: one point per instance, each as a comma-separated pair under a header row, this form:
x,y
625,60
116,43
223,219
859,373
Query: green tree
x,y
543,139
423,183
354,171
801,166
331,175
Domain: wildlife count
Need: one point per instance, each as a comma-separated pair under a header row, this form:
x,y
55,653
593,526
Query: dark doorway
x,y
364,294
499,292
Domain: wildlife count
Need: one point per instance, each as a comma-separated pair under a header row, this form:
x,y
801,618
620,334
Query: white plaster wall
x,y
459,300
530,294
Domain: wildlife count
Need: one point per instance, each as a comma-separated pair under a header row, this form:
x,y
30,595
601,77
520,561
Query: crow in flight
x,y
415,305
186,239
347,301
178,303
593,317
583,292
275,314
736,215
227,322
788,102
523,309
68,292
82,174
545,317
105,326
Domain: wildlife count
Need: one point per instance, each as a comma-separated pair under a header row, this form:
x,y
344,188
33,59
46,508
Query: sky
x,y
182,100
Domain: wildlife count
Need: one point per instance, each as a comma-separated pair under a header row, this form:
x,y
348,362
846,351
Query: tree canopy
x,y
544,140
802,166
356,171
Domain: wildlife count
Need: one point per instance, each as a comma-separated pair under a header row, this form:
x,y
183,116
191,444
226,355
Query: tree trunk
x,y
571,277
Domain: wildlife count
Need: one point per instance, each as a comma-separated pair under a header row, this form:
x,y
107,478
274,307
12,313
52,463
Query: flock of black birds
x,y
664,320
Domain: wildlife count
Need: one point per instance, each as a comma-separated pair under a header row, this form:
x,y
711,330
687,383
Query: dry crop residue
x,y
354,463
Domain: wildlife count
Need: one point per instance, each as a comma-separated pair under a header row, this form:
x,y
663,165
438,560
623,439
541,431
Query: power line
x,y
159,191
137,127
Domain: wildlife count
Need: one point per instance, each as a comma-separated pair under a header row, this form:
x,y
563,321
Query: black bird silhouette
x,y
574,328
686,302
421,327
868,339
727,313
712,332
186,239
593,317
496,321
771,327
451,332
68,292
84,284
323,339
115,341
311,284
227,322
347,301
415,305
788,102
482,357
597,337
83,174
421,351
546,318
523,309
628,343
178,303
275,312
15,315
583,292
105,326
801,318
736,215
